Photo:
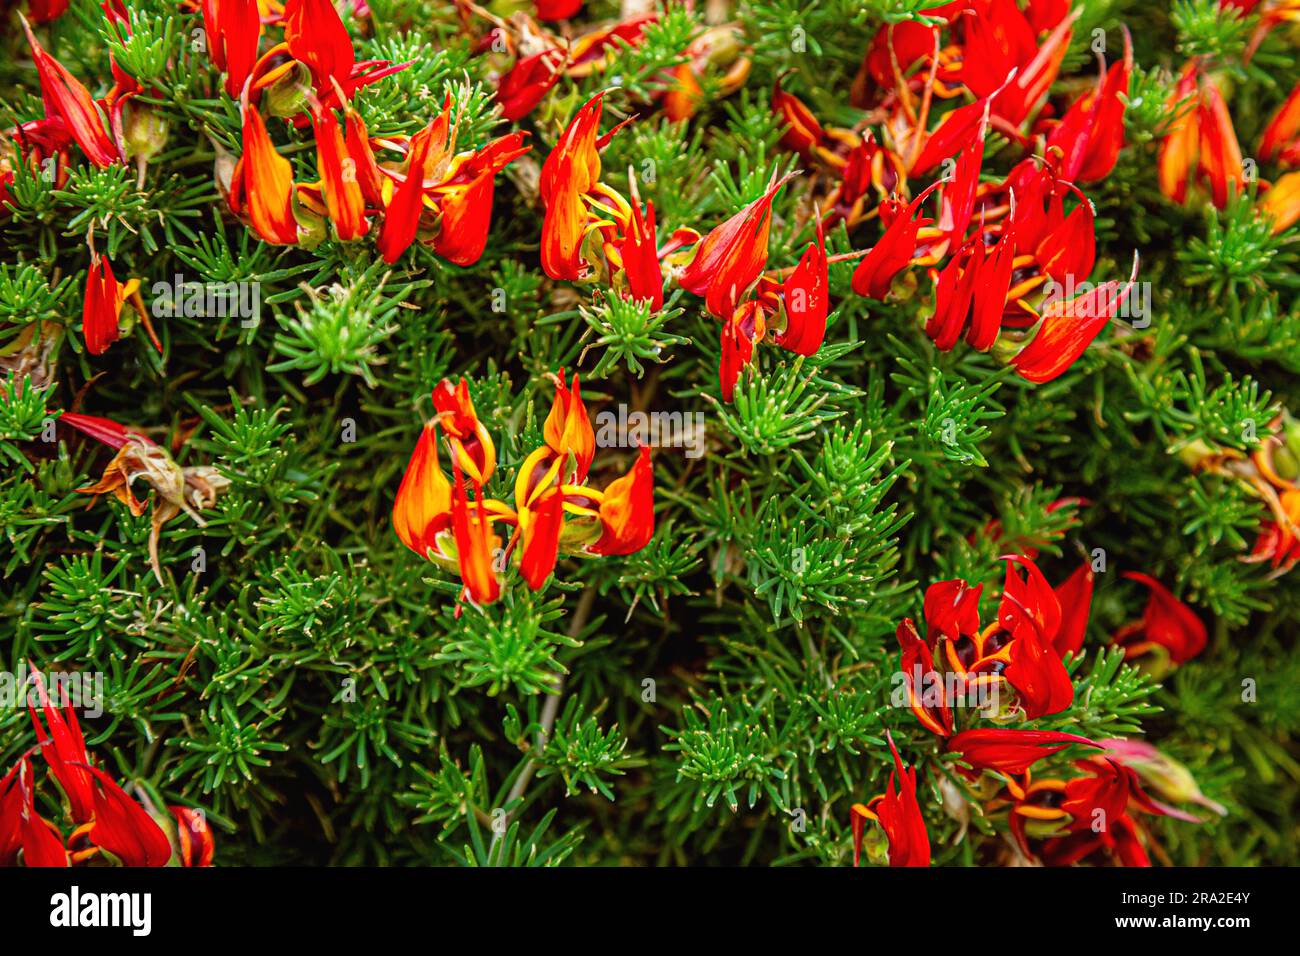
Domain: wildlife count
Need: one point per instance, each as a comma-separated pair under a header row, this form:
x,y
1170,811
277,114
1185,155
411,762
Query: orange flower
x,y
472,529
66,99
896,247
339,176
520,90
471,446
627,510
422,508
568,429
1282,202
571,171
1201,141
263,184
465,199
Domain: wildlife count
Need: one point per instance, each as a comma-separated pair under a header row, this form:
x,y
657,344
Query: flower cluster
x,y
555,511
1023,652
104,821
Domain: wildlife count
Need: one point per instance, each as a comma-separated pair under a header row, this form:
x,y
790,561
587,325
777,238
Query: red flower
x,y
627,510
464,199
102,309
520,90
1019,647
21,827
557,9
807,300
46,11
899,815
402,215
1068,328
638,256
895,249
124,828
64,749
802,131
68,101
194,836
731,258
1281,138
1166,623
1091,133
233,28
1011,751
317,38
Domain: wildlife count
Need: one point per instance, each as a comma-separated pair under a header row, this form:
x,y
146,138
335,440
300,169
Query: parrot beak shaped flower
x,y
917,667
571,171
317,38
1281,204
265,179
465,201
472,529
528,81
423,503
233,28
1167,624
802,130
124,828
64,748
340,177
568,429
21,827
1091,133
540,525
745,329
807,300
1075,597
639,255
1011,751
402,215
1068,328
1201,141
1031,613
471,445
892,254
193,837
899,815
731,258
1281,138
102,311
67,99
627,510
